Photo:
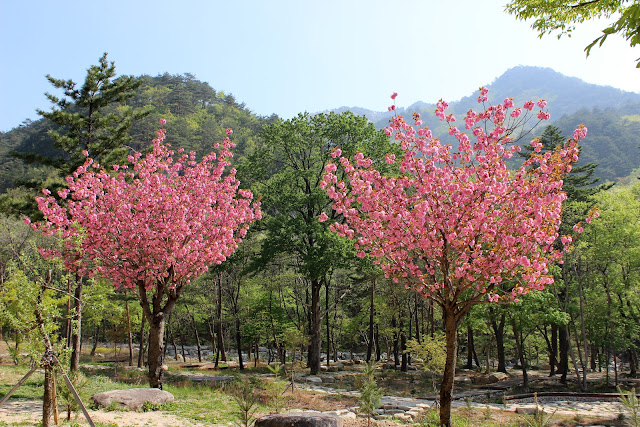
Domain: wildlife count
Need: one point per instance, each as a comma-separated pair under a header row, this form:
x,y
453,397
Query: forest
x,y
291,287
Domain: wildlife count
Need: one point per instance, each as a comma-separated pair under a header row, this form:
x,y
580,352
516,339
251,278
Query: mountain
x,y
611,115
197,116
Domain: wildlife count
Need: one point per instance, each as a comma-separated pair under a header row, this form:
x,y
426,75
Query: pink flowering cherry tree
x,y
457,226
151,226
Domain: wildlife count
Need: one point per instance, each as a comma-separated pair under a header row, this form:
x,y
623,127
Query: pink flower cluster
x,y
159,219
458,222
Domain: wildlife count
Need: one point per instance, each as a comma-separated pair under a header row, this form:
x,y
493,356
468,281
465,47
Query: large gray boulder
x,y
300,419
133,399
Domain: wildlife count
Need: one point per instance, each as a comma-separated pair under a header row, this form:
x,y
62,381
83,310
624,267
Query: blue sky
x,y
286,57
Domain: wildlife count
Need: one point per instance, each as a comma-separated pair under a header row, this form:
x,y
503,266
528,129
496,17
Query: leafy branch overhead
x,y
557,16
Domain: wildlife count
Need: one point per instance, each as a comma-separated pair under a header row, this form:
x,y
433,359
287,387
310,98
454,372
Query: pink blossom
x,y
411,224
163,121
393,95
229,131
323,217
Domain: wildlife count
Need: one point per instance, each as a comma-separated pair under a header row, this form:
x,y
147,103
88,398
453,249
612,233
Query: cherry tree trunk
x,y
446,389
156,343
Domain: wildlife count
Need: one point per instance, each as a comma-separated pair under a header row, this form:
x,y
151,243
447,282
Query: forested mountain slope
x,y
197,116
611,115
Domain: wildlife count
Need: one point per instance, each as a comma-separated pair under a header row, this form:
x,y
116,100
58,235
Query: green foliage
x,y
557,16
92,118
246,399
432,351
150,407
370,393
431,418
630,401
276,388
79,382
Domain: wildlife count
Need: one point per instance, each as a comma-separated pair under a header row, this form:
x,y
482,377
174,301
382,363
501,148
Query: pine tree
x,y
92,118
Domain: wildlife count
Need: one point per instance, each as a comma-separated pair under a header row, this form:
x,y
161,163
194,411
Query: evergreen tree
x,y
85,120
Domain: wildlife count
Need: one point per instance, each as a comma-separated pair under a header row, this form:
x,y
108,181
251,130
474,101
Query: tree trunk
x,y
195,331
403,346
553,354
316,337
446,388
220,354
96,337
239,343
68,324
126,303
47,404
520,349
396,347
563,364
371,319
326,315
76,338
156,313
470,347
498,330
156,341
142,341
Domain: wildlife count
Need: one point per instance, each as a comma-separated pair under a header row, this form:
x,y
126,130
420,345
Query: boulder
x,y
498,376
133,399
298,419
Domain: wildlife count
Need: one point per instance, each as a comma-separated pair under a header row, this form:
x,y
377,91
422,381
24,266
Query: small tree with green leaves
x,y
370,393
630,401
246,400
432,351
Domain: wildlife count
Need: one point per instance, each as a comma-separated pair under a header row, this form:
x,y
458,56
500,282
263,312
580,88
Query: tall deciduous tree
x,y
457,227
288,170
151,228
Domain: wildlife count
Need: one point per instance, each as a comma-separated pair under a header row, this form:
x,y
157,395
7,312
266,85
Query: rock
x,y
340,366
348,416
381,417
165,368
312,379
498,376
462,380
304,419
133,399
179,358
480,380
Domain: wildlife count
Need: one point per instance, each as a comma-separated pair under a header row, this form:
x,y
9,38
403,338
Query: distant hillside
x,y
612,115
196,114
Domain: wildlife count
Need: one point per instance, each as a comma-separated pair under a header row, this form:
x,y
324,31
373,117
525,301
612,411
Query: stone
x,y
133,399
498,376
348,416
312,379
462,380
304,419
180,358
